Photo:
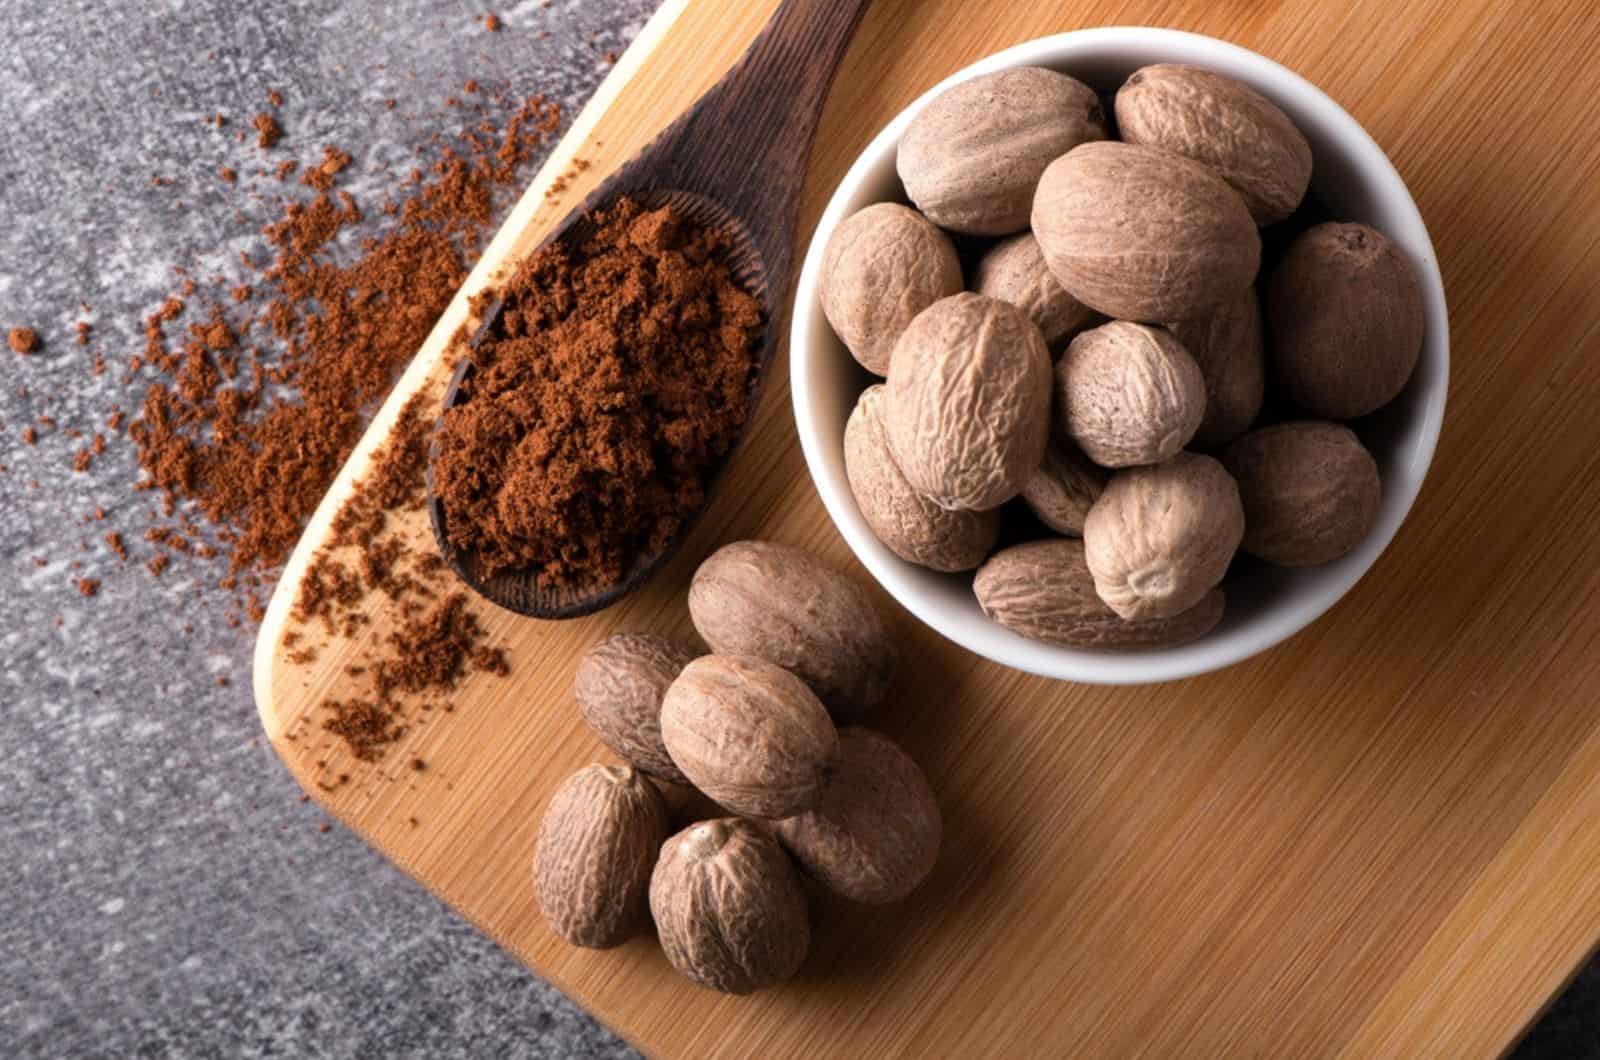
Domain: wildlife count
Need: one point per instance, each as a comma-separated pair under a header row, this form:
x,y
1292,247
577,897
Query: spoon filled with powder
x,y
618,367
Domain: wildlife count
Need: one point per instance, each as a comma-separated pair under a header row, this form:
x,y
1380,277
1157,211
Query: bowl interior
x,y
1353,178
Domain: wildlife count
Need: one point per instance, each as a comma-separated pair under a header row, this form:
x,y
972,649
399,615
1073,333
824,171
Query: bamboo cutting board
x,y
1382,838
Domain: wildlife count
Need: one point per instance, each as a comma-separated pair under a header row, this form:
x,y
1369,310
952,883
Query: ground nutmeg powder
x,y
615,378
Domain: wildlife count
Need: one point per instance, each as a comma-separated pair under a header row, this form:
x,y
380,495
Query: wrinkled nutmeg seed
x,y
784,605
875,836
749,734
619,685
729,907
596,849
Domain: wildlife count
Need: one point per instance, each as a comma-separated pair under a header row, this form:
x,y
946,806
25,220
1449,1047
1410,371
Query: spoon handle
x,y
746,142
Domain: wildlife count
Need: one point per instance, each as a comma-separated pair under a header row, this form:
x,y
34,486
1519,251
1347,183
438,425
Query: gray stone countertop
x,y
166,893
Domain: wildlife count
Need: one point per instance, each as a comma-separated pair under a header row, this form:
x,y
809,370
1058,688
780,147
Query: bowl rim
x,y
989,639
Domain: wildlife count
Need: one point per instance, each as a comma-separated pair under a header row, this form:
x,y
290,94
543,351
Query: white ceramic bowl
x,y
1266,605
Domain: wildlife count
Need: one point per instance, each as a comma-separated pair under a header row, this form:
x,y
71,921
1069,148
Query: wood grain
x,y
1382,838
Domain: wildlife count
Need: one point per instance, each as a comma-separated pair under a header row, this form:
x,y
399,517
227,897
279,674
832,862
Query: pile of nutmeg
x,y
1112,373
795,645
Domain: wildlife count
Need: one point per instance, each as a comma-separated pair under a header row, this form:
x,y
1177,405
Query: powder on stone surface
x,y
615,379
22,340
268,131
254,441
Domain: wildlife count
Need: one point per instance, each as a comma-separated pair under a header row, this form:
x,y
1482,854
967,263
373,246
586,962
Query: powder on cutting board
x,y
438,643
616,377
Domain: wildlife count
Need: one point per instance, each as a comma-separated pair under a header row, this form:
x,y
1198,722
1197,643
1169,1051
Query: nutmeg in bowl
x,y
1350,178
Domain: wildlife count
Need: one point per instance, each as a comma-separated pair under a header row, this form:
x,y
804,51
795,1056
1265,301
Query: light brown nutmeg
x,y
1064,488
1128,394
1345,321
971,159
1160,537
1043,590
875,837
883,266
749,734
1231,351
968,402
596,848
1311,491
784,605
909,525
1014,271
1225,124
729,907
619,684
1142,234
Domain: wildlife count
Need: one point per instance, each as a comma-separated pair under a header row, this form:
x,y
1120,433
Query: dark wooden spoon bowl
x,y
733,163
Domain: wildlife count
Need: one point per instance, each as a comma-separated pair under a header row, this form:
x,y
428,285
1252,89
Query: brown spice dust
x,y
616,378
254,443
22,340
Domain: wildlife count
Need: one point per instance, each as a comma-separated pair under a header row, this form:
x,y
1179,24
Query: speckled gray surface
x,y
165,892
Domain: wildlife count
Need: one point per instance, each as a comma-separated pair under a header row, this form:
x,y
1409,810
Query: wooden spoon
x,y
733,163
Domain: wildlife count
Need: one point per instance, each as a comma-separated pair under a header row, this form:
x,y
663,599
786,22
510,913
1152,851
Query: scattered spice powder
x,y
268,131
255,393
434,648
321,176
430,653
257,465
615,378
23,340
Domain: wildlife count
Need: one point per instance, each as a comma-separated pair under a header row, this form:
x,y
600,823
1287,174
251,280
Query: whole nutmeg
x,y
749,734
1043,590
1311,491
882,267
1232,355
596,848
1143,234
875,836
729,907
1225,124
911,526
1345,321
1064,488
1128,394
968,402
1014,271
1160,537
619,685
784,605
971,159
